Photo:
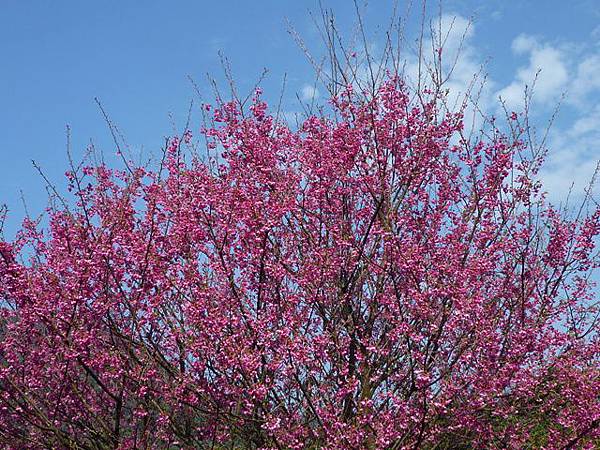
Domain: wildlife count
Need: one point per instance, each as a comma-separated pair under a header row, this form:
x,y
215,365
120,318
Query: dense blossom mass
x,y
375,279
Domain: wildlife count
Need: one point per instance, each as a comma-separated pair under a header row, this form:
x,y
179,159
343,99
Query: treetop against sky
x,y
59,56
335,254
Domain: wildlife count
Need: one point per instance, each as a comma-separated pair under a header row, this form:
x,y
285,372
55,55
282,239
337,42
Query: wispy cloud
x,y
547,67
586,81
552,67
561,68
462,67
573,155
309,93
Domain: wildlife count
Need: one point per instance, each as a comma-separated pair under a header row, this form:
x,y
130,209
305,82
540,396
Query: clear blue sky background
x,y
135,56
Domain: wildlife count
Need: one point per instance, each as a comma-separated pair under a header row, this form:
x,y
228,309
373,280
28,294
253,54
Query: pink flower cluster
x,y
372,281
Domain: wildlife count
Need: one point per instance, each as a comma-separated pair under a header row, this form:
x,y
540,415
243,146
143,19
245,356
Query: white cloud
x,y
523,44
547,67
560,67
596,33
462,67
586,80
309,93
573,156
557,68
455,29
574,145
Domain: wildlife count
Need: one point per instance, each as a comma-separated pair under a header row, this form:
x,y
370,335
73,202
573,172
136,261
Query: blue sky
x,y
136,56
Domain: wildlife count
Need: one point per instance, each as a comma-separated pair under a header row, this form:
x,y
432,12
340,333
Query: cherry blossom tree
x,y
374,278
